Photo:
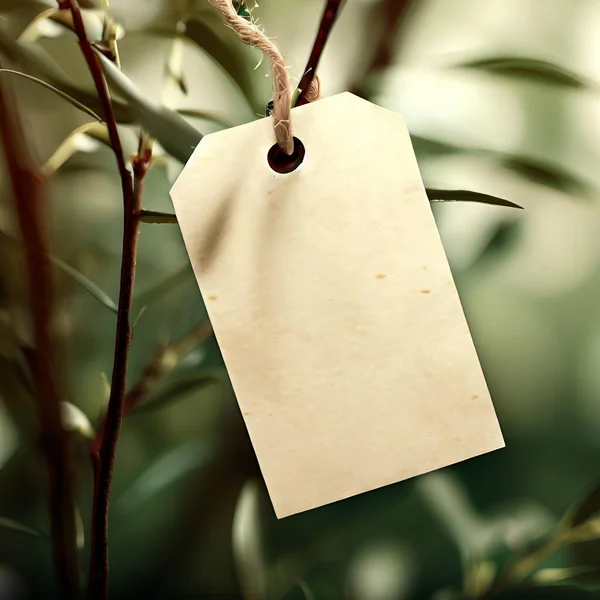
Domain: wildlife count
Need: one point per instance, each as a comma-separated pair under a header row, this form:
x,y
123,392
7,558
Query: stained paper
x,y
333,304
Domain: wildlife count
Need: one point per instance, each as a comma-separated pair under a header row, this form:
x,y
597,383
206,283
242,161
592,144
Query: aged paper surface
x,y
333,304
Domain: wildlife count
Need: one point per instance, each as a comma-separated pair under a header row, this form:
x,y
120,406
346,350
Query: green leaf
x,y
153,216
149,216
583,510
30,57
165,472
531,169
86,284
63,95
77,141
567,575
168,285
139,316
15,526
501,238
176,83
93,21
173,132
530,69
467,196
428,146
247,544
177,387
549,175
208,116
586,532
226,50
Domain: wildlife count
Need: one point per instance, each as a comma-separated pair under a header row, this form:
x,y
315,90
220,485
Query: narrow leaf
x,y
172,131
429,146
63,95
227,54
586,532
467,196
82,139
139,316
168,285
175,81
177,387
502,237
30,57
247,544
94,22
85,283
14,526
165,472
530,69
587,507
531,169
568,575
549,175
153,216
38,27
92,19
208,116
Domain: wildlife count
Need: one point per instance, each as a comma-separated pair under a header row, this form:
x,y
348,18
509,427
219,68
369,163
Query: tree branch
x,y
330,14
104,461
29,193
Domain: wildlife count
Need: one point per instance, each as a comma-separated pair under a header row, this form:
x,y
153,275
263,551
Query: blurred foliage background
x,y
501,97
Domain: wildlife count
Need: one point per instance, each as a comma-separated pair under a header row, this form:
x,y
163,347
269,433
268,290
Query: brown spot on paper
x,y
425,292
380,276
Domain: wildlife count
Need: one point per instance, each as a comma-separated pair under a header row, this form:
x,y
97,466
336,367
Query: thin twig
x,y
104,463
162,362
393,15
330,14
29,191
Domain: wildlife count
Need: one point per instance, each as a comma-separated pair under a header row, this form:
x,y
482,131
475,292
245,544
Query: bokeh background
x,y
190,516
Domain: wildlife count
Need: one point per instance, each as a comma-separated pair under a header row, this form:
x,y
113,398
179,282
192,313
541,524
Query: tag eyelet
x,y
283,163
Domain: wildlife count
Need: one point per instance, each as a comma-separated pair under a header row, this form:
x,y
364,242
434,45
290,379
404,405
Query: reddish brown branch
x,y
330,14
29,193
104,463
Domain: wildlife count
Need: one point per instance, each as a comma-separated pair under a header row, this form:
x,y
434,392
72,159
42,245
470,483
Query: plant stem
x,y
29,191
98,577
332,8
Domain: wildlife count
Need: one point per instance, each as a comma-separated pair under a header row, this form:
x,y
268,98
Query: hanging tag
x,y
333,304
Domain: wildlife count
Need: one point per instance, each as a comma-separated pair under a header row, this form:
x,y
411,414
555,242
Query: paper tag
x,y
333,304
